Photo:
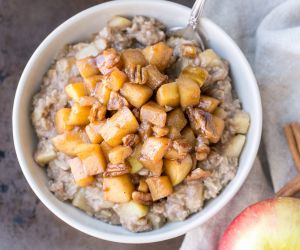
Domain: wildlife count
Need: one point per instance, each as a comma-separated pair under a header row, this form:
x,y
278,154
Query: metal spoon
x,y
190,31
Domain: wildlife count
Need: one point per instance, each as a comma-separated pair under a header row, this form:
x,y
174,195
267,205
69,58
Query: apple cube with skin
x,y
93,161
120,124
79,115
218,129
153,113
133,160
168,95
93,131
75,90
189,91
241,122
116,79
87,67
269,224
81,178
155,148
235,146
177,170
119,154
91,83
68,142
176,119
117,189
208,104
160,187
198,74
159,55
189,135
132,209
61,120
102,92
155,167
136,94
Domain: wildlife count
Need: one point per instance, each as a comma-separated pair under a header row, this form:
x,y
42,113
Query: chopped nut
x,y
108,59
202,149
197,174
138,75
98,111
131,140
160,132
182,146
116,169
141,197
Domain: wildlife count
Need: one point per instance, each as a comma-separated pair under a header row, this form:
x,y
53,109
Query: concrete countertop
x,y
25,223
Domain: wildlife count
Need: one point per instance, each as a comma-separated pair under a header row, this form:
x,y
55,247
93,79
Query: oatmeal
x,y
137,128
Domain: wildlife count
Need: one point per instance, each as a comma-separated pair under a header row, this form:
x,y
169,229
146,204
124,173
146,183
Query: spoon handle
x,y
196,13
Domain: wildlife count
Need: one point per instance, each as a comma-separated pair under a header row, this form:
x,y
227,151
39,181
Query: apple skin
x,y
272,224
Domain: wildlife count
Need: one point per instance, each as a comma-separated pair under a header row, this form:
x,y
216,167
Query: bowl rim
x,y
136,238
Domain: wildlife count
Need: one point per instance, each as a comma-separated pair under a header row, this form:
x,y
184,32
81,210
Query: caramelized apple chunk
x,y
153,113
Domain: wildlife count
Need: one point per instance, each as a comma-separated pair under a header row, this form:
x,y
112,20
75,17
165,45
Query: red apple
x,y
272,224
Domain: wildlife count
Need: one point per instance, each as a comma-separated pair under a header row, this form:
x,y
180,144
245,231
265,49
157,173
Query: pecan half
x,y
197,174
116,169
141,197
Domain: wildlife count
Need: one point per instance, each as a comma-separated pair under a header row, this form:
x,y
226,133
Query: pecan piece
x,y
108,59
141,197
202,149
130,140
138,74
98,111
197,174
116,169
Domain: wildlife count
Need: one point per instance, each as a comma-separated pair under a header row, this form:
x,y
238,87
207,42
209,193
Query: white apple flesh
x,y
272,224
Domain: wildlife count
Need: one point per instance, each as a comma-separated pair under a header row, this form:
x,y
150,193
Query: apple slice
x,y
269,224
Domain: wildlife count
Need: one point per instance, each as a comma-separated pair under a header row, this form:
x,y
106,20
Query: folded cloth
x,y
275,57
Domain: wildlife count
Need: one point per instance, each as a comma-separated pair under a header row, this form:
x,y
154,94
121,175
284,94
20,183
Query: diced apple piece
x,y
93,131
174,133
241,122
160,187
68,142
160,132
80,201
79,115
87,67
136,94
155,167
208,104
116,79
119,154
45,153
155,148
189,135
120,124
75,90
153,113
177,170
119,23
155,77
209,58
117,189
176,119
235,146
220,112
105,149
61,120
102,92
91,83
143,187
218,130
132,58
159,55
81,178
168,95
189,91
198,74
132,209
108,60
93,161
133,160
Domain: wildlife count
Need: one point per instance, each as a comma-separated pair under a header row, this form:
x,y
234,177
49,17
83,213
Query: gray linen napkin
x,y
275,57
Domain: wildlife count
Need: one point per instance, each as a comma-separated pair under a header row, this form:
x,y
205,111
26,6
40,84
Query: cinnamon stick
x,y
296,131
291,188
292,145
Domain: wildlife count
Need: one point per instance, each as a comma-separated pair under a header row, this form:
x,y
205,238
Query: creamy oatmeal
x,y
137,128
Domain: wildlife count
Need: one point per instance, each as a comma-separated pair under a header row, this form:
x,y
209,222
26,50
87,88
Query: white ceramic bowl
x,y
79,28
